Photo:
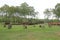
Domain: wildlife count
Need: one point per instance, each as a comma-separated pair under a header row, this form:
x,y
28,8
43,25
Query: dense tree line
x,y
19,11
16,13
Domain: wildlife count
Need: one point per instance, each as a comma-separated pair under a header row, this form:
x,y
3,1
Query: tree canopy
x,y
24,9
56,10
47,13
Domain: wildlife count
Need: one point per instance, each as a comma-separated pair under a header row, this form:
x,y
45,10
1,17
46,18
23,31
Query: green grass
x,y
31,33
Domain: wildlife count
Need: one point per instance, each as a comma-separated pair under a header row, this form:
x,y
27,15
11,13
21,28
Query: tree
x,y
9,11
47,13
3,10
56,11
25,10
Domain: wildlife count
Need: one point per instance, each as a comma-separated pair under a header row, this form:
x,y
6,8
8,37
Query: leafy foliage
x,y
21,11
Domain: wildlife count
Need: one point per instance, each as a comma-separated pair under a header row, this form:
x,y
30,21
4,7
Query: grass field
x,y
31,33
